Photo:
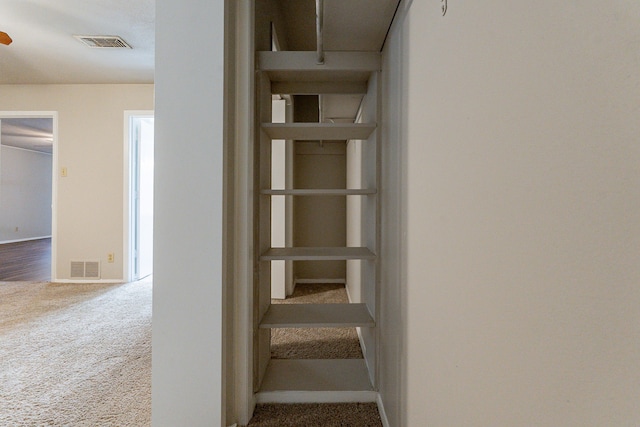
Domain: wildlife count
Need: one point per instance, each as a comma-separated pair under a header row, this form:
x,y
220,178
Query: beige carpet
x,y
315,343
317,415
75,355
80,355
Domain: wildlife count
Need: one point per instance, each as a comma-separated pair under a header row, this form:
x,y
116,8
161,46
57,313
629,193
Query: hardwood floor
x,y
26,261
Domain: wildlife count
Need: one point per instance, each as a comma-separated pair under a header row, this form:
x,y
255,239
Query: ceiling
x,y
34,134
44,50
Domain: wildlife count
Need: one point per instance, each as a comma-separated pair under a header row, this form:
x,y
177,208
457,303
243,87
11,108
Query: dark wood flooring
x,y
26,261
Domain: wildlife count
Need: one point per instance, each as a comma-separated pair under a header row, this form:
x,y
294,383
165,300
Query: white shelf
x,y
317,254
301,61
321,192
313,375
352,85
319,131
317,316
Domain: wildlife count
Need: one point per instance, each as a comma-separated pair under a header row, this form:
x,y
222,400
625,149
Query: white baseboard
x,y
96,281
28,239
383,413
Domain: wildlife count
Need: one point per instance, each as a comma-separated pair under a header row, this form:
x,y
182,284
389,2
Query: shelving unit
x,y
318,131
317,254
321,192
337,380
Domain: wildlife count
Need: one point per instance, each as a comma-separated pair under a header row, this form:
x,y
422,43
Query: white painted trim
x,y
26,149
28,239
316,396
382,412
54,179
97,282
289,214
245,400
127,274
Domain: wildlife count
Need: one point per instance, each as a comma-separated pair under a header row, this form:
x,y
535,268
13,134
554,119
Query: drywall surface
x,y
25,194
392,190
189,347
520,126
90,145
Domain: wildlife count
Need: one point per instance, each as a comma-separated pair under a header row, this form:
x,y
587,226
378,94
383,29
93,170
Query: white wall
x,y
393,284
278,203
90,132
189,298
518,137
25,194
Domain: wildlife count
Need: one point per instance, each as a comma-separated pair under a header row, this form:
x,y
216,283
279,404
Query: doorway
x,y
28,158
139,143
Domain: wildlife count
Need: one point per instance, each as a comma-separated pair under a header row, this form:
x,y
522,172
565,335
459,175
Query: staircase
x,y
341,380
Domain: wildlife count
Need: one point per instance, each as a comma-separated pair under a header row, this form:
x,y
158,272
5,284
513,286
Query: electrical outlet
x,y
110,257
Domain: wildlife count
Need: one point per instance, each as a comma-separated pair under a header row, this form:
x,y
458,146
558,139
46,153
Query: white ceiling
x,y
44,50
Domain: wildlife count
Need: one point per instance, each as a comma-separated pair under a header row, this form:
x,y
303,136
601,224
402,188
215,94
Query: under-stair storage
x,y
324,380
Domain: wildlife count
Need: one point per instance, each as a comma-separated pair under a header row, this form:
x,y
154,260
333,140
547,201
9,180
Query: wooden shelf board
x,y
321,192
313,375
317,316
317,254
301,62
356,86
319,131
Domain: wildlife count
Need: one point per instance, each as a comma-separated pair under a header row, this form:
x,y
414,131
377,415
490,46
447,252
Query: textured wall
x,y
519,128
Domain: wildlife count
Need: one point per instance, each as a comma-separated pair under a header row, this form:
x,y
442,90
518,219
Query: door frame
x,y
127,271
54,178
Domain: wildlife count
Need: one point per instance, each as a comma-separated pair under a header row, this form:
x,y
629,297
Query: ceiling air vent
x,y
104,42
